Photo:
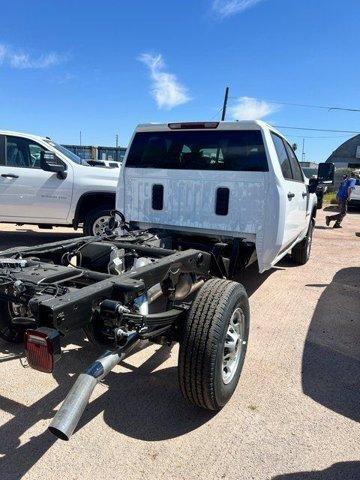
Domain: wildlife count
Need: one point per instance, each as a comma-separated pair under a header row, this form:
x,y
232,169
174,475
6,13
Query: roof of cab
x,y
240,125
23,134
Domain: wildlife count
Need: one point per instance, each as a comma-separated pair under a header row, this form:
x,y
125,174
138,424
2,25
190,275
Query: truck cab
x,y
70,192
224,181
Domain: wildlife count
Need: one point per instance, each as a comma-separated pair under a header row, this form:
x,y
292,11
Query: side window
x,y
21,152
295,166
35,152
282,156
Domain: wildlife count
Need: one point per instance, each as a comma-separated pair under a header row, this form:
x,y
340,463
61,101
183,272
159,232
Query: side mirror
x,y
326,173
313,184
50,163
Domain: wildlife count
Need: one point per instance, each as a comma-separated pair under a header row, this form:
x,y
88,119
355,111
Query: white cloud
x,y
166,89
248,108
226,8
2,53
22,60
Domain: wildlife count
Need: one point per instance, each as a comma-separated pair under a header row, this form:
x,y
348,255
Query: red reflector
x,y
192,125
41,347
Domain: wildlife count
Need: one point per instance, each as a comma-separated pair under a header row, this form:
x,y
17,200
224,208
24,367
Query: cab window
x,y
233,150
295,166
22,153
282,156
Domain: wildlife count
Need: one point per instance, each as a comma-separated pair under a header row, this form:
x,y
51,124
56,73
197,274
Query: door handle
x,y
304,194
291,195
9,175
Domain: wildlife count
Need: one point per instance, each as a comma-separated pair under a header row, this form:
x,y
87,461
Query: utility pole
x,y
80,138
303,151
116,140
225,104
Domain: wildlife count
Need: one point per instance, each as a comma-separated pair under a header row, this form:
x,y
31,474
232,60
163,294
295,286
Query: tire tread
x,y
202,333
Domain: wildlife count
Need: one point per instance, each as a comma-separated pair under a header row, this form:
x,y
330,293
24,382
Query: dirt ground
x,y
295,414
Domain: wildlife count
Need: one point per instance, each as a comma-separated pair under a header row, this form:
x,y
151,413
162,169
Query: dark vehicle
x,y
120,290
320,189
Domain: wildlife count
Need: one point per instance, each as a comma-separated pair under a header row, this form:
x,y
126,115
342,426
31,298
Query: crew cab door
x,y
27,193
294,193
300,189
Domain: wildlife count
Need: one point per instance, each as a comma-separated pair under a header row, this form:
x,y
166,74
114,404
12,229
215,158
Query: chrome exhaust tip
x,y
67,418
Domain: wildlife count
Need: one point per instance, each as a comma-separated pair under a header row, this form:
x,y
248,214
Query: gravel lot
x,y
294,416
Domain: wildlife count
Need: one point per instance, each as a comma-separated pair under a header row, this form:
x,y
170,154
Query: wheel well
x,y
89,201
314,212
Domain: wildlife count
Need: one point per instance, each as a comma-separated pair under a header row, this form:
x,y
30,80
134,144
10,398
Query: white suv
x,y
43,183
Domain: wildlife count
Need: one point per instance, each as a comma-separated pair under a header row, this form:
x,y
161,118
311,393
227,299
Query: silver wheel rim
x,y
234,345
100,225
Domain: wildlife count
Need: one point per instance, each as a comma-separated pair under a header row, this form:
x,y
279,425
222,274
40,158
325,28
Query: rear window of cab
x,y
226,150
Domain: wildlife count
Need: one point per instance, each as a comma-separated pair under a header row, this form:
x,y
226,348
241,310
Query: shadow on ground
x,y
352,209
145,403
331,357
338,471
25,237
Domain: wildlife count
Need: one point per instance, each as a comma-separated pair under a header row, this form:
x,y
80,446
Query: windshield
x,y
66,152
227,150
310,172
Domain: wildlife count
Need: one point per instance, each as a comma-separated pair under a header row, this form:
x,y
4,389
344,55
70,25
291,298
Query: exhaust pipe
x,y
67,418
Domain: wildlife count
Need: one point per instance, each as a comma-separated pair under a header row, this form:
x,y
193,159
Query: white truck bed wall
x,y
189,199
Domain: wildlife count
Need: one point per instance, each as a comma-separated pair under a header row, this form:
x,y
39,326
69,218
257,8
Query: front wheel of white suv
x,y
96,221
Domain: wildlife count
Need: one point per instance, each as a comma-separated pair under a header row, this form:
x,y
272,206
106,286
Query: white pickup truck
x,y
355,196
43,183
236,185
197,203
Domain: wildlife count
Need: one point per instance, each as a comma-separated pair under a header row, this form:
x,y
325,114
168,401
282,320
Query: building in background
x,y
347,155
90,152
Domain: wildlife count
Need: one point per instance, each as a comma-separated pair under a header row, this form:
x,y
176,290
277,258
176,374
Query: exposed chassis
x,y
121,290
87,289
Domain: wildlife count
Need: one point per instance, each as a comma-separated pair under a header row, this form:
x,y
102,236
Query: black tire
x,y
203,341
300,254
92,216
9,332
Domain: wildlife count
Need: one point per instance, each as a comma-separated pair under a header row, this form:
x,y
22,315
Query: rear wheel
x,y
96,221
301,252
213,344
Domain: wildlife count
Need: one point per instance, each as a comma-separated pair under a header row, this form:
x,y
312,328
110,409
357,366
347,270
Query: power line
x,y
305,105
217,113
319,137
316,129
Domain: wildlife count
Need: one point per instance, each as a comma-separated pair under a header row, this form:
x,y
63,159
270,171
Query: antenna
x,y
225,104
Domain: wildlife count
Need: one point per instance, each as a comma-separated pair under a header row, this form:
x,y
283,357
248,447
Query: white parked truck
x,y
198,202
43,183
355,196
234,184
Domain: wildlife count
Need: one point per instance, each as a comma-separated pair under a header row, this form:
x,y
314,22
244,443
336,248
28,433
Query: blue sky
x,y
102,67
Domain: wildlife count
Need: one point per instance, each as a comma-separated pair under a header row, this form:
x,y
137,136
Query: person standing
x,y
343,196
